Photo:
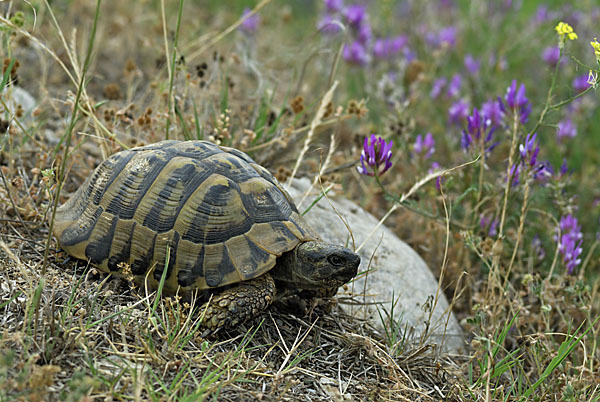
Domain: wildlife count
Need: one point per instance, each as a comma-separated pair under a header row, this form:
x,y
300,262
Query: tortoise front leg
x,y
237,304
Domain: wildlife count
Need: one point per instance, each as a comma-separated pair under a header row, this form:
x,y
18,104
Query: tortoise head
x,y
317,265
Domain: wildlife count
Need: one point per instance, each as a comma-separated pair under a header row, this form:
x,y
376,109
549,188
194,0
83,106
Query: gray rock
x,y
396,272
21,97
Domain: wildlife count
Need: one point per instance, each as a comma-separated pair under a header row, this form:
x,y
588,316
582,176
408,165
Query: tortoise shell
x,y
223,218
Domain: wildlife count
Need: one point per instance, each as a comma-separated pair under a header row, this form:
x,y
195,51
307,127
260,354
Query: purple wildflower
x,y
551,55
447,36
426,145
569,239
515,172
564,168
517,101
543,172
454,86
479,127
458,111
542,14
364,32
515,98
465,140
250,24
566,129
355,13
484,221
355,53
377,154
493,231
385,48
435,167
492,109
409,55
438,86
580,83
530,150
333,6
472,64
430,37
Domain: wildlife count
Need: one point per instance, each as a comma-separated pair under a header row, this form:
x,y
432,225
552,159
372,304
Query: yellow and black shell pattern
x,y
223,217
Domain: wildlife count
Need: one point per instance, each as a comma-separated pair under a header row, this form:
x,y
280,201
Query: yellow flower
x,y
562,28
596,47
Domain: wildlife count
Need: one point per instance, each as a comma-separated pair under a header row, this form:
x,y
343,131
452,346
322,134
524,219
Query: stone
x,y
19,96
396,273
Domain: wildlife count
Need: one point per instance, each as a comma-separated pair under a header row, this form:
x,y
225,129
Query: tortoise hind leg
x,y
235,305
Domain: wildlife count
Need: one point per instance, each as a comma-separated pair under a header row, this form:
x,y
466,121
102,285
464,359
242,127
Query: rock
x,y
397,273
20,97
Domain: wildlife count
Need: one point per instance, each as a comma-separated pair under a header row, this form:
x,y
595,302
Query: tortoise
x,y
230,230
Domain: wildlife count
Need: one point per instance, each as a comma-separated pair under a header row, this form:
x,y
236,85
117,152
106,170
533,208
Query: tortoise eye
x,y
335,260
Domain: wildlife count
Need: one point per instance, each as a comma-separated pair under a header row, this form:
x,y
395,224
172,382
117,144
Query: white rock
x,y
20,97
396,272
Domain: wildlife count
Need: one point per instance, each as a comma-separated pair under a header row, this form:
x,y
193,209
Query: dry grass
x,y
151,71
94,335
71,332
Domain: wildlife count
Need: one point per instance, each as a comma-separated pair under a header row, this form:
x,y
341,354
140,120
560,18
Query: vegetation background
x,y
490,107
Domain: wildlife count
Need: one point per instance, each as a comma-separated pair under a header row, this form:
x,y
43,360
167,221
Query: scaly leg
x,y
237,304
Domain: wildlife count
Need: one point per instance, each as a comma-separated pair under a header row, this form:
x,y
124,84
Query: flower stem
x,y
519,232
511,153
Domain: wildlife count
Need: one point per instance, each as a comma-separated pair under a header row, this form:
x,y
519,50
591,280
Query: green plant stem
x,y
69,133
498,245
400,203
511,152
547,106
481,170
519,232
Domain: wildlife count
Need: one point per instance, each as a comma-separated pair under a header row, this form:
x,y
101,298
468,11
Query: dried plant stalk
x,y
313,125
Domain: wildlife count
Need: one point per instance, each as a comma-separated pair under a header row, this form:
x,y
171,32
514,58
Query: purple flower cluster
x,y
334,6
377,154
551,55
386,48
424,146
444,37
566,129
569,239
355,53
453,90
517,102
250,25
438,86
454,86
484,222
472,64
435,166
580,83
530,150
362,48
458,111
479,127
541,172
492,109
355,16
